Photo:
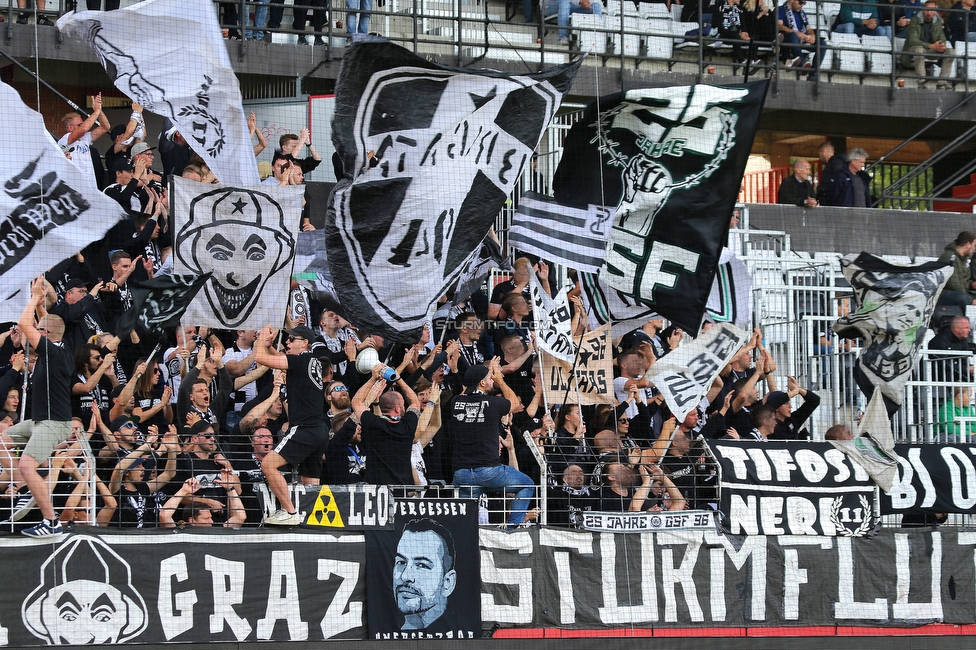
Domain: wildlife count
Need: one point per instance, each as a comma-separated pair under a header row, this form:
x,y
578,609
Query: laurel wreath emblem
x,y
843,530
197,111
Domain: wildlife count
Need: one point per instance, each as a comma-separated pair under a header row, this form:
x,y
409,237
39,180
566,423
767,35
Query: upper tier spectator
x,y
960,290
796,29
797,188
859,19
926,37
849,186
961,23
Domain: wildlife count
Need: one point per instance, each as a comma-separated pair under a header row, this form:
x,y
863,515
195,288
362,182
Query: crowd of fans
x,y
213,427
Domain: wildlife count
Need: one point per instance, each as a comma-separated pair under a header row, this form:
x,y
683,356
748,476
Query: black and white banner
x,y
451,145
169,56
607,306
670,160
311,269
873,444
423,578
199,586
933,478
781,488
49,210
588,378
894,306
245,237
211,585
478,268
554,321
644,522
574,237
687,372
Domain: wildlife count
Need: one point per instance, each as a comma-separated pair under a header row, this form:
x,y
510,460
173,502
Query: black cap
x,y
199,428
120,422
634,339
776,399
75,283
474,375
302,332
123,165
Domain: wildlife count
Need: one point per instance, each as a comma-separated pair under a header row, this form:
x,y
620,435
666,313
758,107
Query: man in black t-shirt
x,y
307,435
388,437
345,462
473,421
50,407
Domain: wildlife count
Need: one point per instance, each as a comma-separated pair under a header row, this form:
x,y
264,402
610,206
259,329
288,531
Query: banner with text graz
x,y
188,587
933,478
780,488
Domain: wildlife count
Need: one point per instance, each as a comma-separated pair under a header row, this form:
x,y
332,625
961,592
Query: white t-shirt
x,y
250,390
620,392
81,156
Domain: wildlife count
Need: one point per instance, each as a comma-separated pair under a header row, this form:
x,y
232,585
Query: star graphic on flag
x,y
481,100
239,206
584,356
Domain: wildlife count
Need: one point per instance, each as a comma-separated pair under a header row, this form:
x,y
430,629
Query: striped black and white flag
x,y
570,236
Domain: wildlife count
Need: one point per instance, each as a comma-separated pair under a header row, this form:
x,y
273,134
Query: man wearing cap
x,y
80,311
143,157
307,434
124,438
202,461
788,423
474,424
50,407
133,482
387,439
127,190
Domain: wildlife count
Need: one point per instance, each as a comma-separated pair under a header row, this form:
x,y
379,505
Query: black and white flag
x,y
312,270
245,237
574,237
670,160
730,300
894,306
159,303
686,374
606,306
49,210
873,445
169,56
554,320
478,268
451,144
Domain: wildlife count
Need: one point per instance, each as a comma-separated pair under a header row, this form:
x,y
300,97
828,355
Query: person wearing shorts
x,y
307,434
50,396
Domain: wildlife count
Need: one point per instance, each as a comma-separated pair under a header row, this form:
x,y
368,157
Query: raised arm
x,y
265,354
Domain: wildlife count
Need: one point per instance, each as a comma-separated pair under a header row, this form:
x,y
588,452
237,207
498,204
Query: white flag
x,y
169,56
554,321
247,237
49,209
686,373
873,445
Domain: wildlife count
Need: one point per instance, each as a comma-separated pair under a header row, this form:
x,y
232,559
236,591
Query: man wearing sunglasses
x,y
795,27
203,462
338,401
307,434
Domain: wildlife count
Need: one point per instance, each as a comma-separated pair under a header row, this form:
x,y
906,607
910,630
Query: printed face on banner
x,y
241,236
423,578
448,157
682,138
85,596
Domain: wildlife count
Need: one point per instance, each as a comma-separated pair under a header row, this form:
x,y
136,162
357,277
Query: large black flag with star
x,y
670,161
430,155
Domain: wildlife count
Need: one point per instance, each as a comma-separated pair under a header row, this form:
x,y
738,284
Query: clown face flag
x,y
246,237
169,56
670,160
49,210
894,306
450,145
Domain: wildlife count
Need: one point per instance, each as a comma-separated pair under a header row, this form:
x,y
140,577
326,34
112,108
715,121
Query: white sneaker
x,y
282,518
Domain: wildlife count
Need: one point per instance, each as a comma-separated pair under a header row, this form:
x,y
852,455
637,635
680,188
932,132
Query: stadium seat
x,y
879,59
589,40
845,60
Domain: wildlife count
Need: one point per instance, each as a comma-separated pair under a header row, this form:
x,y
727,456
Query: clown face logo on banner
x,y
85,596
242,237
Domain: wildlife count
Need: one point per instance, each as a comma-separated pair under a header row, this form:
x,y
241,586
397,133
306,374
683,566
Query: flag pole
x,y
67,101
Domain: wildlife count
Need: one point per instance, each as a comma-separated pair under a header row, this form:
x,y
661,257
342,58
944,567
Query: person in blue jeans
x,y
362,25
473,421
563,8
260,20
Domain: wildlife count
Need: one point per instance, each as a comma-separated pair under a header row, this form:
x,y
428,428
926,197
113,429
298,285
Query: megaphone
x,y
369,359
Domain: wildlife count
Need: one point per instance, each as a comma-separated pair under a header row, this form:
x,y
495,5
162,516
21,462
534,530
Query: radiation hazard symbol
x,y
325,512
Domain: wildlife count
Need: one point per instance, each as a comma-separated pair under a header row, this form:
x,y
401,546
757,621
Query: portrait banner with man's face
x,y
246,237
423,580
